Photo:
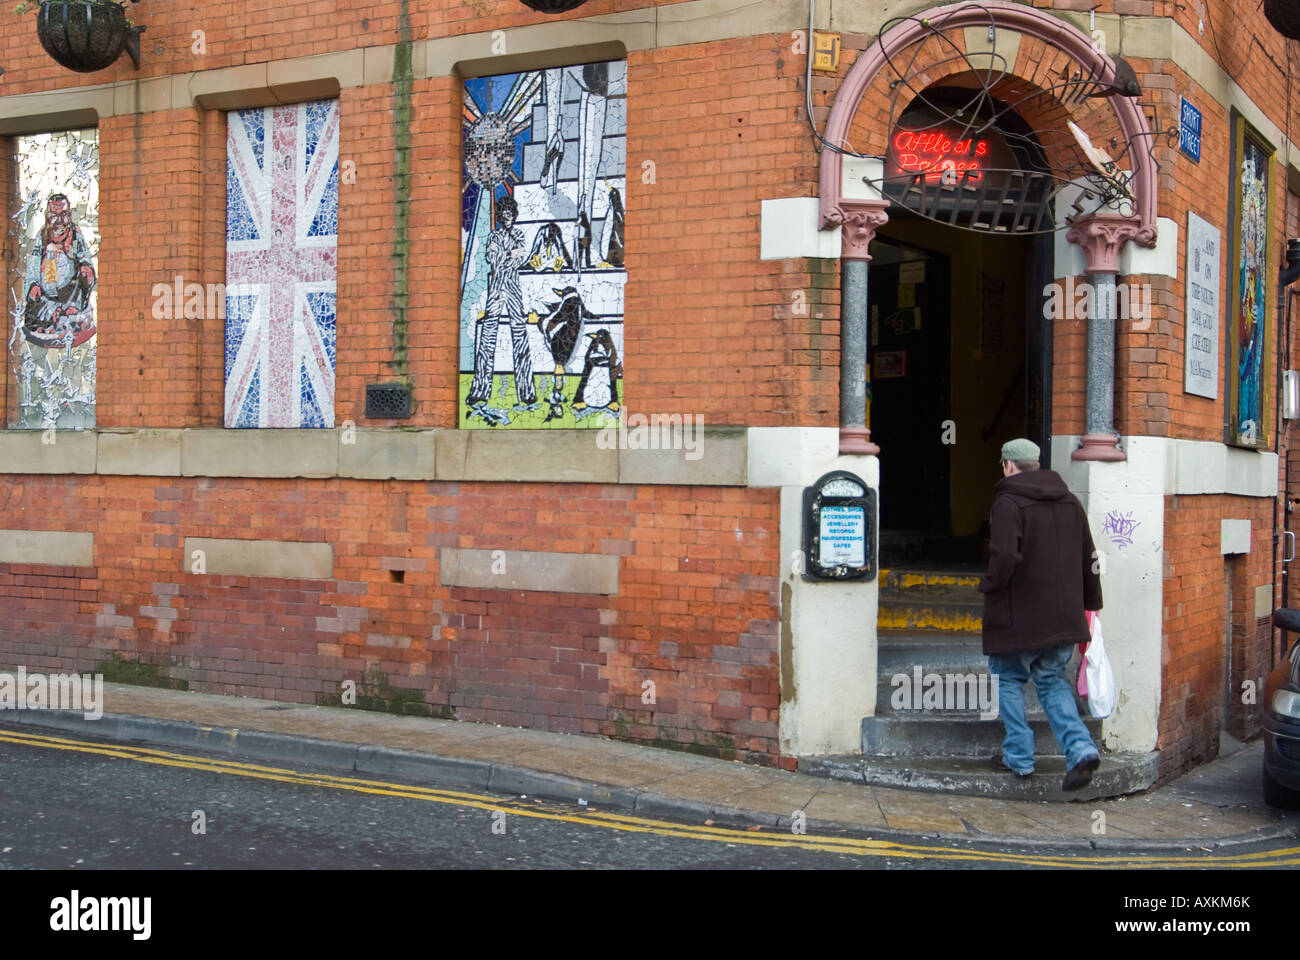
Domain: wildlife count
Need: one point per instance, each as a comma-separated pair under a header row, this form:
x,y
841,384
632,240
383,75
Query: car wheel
x,y
1276,795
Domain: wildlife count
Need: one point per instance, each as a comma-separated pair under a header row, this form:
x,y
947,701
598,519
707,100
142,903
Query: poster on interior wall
x,y
52,302
1248,290
282,212
1201,344
542,256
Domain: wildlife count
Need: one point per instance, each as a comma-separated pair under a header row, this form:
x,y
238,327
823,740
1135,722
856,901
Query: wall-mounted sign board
x,y
839,528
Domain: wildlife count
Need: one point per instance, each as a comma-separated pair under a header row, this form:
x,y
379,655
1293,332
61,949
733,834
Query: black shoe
x,y
1080,775
996,763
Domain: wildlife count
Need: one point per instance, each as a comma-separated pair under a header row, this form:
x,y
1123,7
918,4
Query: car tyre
x,y
1276,795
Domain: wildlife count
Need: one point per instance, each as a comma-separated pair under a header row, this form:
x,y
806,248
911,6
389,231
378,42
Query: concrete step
x,y
952,735
930,600
886,690
930,615
1119,774
956,586
939,651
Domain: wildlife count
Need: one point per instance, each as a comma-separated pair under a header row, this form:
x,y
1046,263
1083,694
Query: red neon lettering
x,y
932,153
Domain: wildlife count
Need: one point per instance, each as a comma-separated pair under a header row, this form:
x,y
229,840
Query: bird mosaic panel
x,y
542,255
53,334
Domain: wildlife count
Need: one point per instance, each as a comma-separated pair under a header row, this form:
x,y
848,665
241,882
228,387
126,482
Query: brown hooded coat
x,y
1042,566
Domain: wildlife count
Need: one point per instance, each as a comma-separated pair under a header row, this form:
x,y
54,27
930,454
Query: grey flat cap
x,y
1020,449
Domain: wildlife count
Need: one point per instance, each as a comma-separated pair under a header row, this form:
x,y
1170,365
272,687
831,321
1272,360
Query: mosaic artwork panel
x,y
282,211
53,300
542,254
1251,296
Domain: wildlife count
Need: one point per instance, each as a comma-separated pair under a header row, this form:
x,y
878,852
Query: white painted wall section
x,y
1125,503
828,633
1234,536
783,456
1158,261
791,229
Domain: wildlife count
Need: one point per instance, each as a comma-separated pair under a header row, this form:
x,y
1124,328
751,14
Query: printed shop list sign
x,y
1201,367
843,537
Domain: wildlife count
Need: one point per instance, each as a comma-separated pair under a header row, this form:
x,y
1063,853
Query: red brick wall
x,y
256,31
696,610
1196,602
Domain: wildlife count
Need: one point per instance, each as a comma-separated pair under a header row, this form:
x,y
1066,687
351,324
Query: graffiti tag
x,y
1120,527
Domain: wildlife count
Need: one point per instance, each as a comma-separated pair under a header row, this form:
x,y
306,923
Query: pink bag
x,y
1081,684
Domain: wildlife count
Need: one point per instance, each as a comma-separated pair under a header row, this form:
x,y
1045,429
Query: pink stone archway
x,y
1101,236
1009,16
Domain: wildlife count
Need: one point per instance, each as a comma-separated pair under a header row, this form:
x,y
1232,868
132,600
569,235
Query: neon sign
x,y
940,157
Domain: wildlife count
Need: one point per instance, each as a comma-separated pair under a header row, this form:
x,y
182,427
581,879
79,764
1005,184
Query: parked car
x,y
1281,721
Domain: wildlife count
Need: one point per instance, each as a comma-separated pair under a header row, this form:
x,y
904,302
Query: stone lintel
x,y
139,453
528,570
662,450
47,451
259,453
717,456
387,454
524,456
47,547
282,559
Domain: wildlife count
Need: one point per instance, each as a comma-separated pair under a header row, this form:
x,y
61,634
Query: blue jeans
x,y
1047,669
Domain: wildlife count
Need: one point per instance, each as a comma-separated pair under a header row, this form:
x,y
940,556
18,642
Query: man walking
x,y
1041,578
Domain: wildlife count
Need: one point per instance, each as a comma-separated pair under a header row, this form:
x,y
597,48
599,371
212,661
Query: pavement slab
x,y
838,802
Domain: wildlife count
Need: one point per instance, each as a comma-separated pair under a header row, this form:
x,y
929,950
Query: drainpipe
x,y
859,220
1286,275
1101,236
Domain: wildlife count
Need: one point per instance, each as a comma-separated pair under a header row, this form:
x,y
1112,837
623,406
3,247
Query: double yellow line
x,y
764,837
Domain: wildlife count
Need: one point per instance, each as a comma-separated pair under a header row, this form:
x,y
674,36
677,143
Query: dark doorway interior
x,y
909,292
960,362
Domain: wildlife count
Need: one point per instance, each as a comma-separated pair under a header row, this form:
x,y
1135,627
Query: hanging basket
x,y
84,35
1284,15
553,6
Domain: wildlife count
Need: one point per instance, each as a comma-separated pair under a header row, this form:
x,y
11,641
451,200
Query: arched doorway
x,y
960,352
1006,114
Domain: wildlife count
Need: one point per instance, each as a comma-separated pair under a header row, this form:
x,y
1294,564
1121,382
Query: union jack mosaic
x,y
282,204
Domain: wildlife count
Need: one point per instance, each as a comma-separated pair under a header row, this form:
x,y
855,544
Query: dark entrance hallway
x,y
958,366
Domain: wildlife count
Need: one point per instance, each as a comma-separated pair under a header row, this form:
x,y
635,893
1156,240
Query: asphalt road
x,y
81,803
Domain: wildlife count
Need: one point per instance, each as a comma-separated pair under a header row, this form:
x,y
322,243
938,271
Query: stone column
x,y
859,220
1101,236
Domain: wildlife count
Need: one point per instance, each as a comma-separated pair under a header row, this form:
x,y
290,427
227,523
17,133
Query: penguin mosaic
x,y
598,388
542,234
548,250
561,327
612,241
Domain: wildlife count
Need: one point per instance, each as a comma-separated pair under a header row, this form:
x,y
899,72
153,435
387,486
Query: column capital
x,y
1102,236
859,220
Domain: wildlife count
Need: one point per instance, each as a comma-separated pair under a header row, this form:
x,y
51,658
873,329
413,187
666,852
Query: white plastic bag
x,y
1102,692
